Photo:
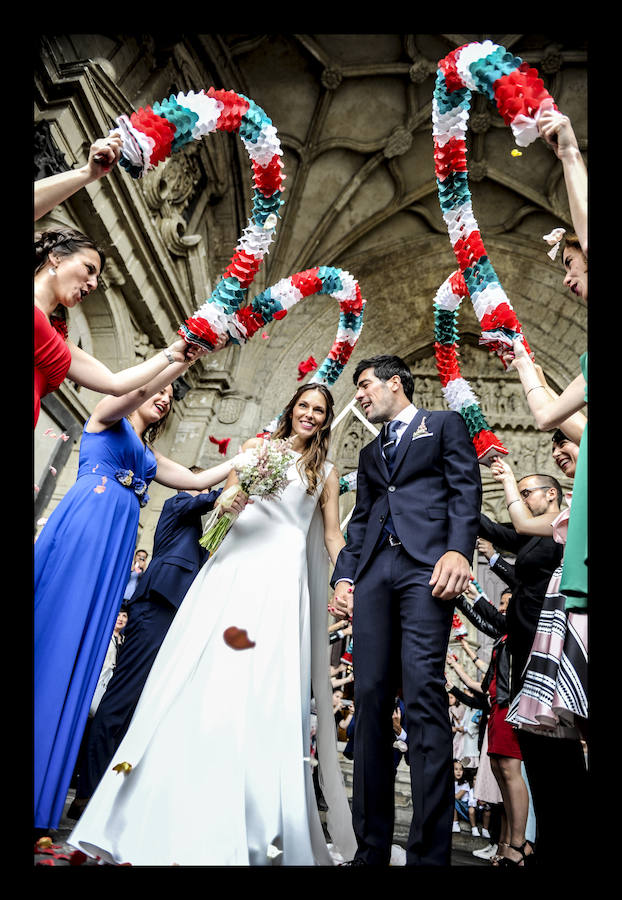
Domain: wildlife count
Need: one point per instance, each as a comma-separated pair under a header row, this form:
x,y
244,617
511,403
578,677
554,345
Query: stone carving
x,y
230,409
143,348
478,170
480,122
169,191
331,78
420,70
400,141
48,158
552,60
355,438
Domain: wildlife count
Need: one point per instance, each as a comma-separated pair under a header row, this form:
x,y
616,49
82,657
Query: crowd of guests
x,y
519,727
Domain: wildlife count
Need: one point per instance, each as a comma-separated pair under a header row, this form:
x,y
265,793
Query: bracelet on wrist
x,y
534,389
518,500
169,355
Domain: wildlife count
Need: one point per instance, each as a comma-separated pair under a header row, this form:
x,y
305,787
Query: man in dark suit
x,y
410,545
177,558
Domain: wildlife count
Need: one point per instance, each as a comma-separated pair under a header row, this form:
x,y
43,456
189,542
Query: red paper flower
x,y
458,285
233,110
201,328
269,179
446,362
307,282
250,319
243,266
157,128
222,444
341,352
353,306
502,316
304,367
485,442
448,67
451,157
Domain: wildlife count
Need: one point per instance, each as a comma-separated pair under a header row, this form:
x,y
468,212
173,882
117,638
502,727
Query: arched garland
x,y
520,97
153,133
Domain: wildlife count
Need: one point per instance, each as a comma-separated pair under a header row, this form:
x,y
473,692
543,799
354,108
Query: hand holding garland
x,y
104,154
548,411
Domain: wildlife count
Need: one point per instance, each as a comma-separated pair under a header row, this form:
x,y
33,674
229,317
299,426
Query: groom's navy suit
x,y
177,558
431,499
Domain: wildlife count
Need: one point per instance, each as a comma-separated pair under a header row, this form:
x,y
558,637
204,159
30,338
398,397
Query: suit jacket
x,y
536,560
434,494
490,621
505,571
177,554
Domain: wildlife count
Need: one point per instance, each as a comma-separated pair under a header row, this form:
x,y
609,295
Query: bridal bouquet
x,y
262,472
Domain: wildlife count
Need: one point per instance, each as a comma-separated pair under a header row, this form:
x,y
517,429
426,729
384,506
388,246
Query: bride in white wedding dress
x,y
219,745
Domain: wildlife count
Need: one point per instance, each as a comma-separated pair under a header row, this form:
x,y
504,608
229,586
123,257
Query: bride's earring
x,y
52,271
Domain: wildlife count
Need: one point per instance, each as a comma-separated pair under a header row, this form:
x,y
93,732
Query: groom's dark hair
x,y
386,367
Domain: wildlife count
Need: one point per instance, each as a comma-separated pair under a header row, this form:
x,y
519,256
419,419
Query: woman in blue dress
x,y
82,559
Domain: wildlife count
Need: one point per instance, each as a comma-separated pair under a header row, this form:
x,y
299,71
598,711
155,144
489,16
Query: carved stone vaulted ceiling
x,y
354,116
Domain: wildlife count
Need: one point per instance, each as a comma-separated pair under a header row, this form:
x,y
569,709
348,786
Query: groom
x,y
410,544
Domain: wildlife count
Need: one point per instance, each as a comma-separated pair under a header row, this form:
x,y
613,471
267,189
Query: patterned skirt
x,y
554,683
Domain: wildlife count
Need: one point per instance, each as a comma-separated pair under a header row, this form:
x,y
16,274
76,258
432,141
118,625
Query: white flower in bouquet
x,y
262,472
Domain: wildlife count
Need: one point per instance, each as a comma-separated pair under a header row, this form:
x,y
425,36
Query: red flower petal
x,y
237,638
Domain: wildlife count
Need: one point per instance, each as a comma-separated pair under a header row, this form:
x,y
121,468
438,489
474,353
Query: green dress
x,y
574,575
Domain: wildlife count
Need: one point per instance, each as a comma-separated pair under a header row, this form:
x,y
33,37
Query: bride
x,y
219,745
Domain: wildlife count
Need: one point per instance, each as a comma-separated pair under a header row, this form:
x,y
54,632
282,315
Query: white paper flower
x,y
255,240
265,147
468,55
207,108
286,293
348,292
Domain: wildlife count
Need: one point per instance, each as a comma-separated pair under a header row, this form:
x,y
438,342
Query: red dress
x,y
52,356
502,740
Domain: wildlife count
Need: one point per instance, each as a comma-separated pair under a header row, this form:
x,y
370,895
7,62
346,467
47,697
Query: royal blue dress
x,y
82,561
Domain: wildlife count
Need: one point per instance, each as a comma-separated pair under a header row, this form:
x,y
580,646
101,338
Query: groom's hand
x,y
451,575
343,600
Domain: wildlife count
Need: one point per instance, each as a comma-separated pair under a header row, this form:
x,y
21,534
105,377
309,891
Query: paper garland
x,y
337,283
520,97
153,133
456,390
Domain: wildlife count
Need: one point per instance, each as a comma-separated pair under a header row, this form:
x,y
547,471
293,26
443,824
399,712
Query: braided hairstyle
x,y
64,242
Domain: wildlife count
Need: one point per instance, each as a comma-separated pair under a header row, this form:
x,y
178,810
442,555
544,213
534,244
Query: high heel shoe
x,y
526,858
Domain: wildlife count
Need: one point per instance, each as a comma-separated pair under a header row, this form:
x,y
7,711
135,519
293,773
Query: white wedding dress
x,y
220,740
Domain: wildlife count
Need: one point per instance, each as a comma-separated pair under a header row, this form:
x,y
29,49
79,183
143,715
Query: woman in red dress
x,y
67,267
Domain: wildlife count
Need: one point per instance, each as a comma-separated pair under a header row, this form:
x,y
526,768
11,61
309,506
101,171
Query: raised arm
x,y
522,518
557,131
550,412
50,192
146,377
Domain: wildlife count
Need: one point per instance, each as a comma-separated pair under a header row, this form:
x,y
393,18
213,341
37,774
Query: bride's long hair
x,y
312,460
